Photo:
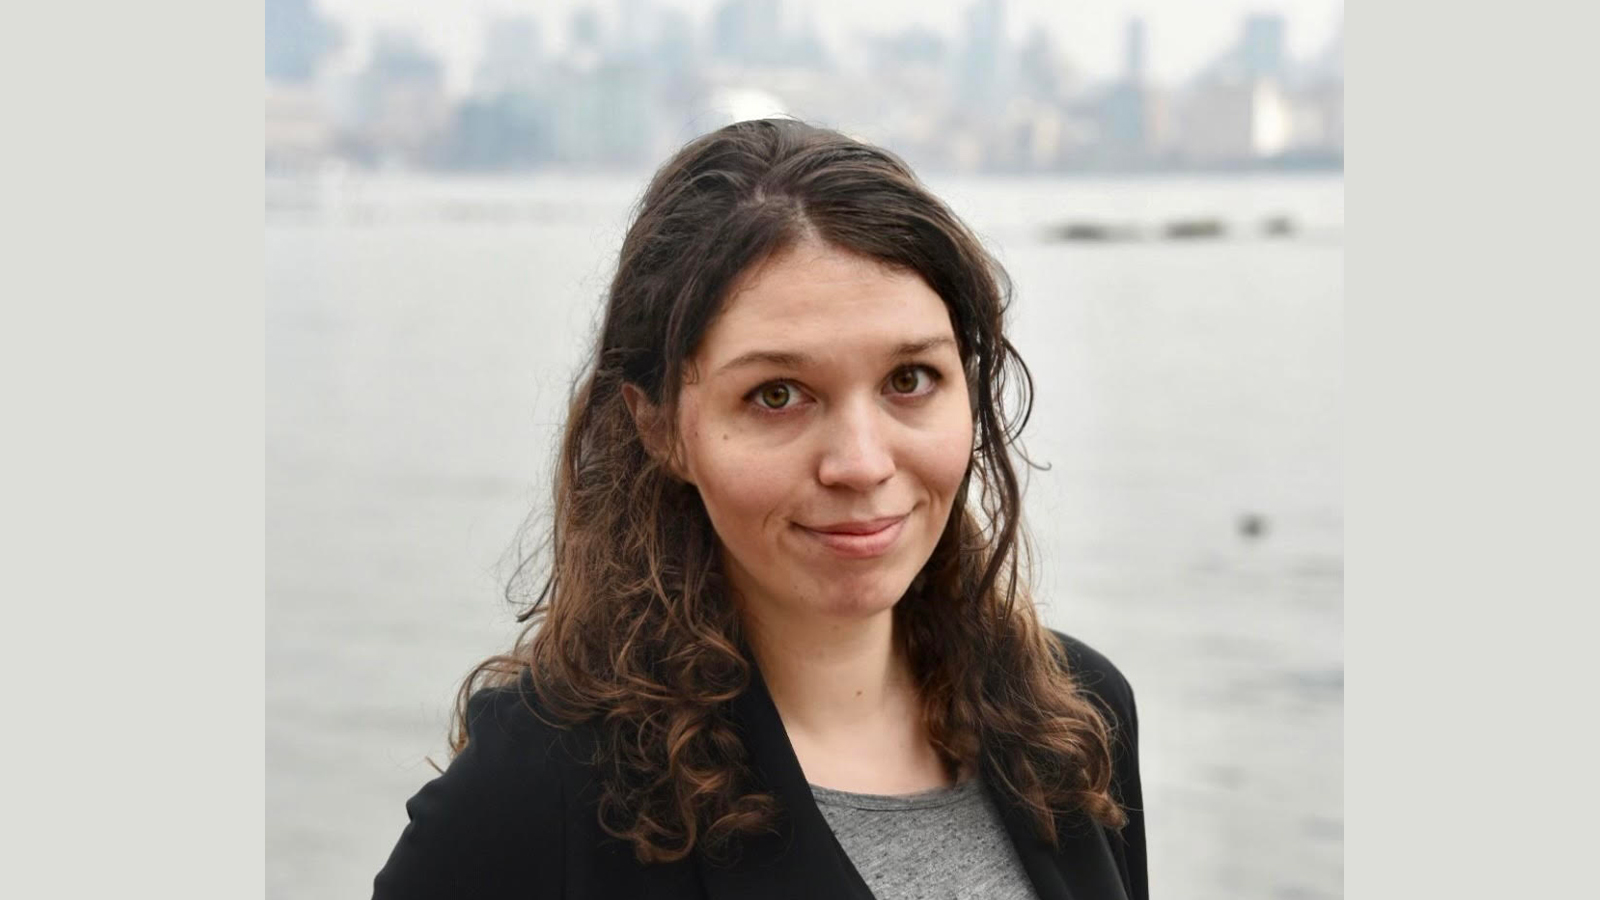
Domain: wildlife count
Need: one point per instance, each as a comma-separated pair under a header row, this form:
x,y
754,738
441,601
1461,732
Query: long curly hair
x,y
633,632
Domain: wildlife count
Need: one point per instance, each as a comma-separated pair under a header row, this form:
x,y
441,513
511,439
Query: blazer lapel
x,y
804,859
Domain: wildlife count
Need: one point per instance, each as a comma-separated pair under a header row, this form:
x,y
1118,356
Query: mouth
x,y
857,540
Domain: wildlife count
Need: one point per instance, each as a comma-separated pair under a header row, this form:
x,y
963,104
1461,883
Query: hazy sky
x,y
1180,35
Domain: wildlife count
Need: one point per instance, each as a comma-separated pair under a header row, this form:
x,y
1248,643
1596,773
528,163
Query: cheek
x,y
742,487
945,458
739,487
948,470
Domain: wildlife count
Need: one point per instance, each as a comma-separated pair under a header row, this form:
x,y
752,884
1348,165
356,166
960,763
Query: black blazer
x,y
515,816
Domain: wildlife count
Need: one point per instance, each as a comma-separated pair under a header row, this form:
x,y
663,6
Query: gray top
x,y
943,844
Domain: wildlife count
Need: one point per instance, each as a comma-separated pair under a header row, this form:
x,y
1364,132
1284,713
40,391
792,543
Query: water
x,y
421,336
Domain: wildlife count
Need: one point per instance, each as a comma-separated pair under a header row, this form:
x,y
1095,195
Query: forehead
x,y
814,296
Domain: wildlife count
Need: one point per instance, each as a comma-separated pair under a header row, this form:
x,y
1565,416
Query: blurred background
x,y
447,187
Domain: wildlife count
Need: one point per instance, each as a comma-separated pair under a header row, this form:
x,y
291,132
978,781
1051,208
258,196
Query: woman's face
x,y
827,429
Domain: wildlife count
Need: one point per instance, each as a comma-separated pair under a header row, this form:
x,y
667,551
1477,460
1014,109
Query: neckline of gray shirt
x,y
941,844
933,797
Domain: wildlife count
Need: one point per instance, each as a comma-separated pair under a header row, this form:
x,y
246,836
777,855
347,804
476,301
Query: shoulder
x,y
1097,676
509,725
1105,686
495,819
514,744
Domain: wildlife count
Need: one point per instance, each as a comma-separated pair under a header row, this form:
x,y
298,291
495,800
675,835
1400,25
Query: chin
x,y
862,597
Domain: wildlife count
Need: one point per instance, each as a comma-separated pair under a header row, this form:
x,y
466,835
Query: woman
x,y
784,648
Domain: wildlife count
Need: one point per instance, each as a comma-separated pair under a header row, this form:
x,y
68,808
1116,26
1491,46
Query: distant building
x,y
674,47
1251,105
1029,137
1128,108
603,116
754,34
1231,121
913,45
1319,97
1041,76
584,29
1126,128
400,110
1133,51
980,77
747,32
297,40
1318,120
1127,119
513,51
1261,47
1258,52
634,25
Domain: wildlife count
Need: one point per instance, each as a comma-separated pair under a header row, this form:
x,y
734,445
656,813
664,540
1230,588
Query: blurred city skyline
x,y
497,86
1183,36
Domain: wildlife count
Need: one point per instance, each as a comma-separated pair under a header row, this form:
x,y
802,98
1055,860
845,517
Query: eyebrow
x,y
792,360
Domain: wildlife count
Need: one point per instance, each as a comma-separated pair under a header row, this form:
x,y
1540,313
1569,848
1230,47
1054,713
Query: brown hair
x,y
633,631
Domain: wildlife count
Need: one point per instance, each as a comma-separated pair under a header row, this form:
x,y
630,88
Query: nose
x,y
856,451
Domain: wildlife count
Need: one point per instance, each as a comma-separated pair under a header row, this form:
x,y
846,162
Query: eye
x,y
775,395
912,380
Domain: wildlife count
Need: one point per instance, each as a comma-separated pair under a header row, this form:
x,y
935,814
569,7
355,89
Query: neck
x,y
830,677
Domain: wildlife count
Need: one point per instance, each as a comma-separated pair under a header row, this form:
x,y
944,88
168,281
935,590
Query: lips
x,y
862,539
867,526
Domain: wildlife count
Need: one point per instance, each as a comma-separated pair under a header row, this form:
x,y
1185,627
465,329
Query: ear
x,y
648,419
